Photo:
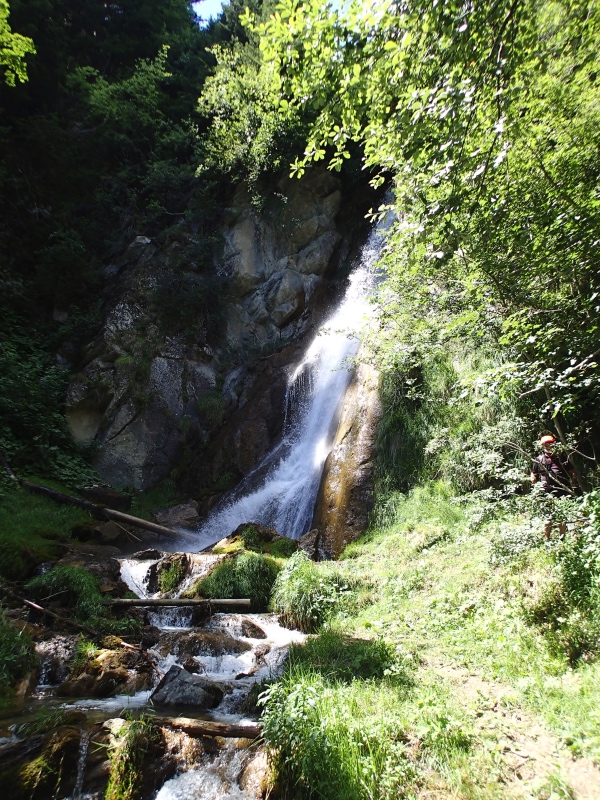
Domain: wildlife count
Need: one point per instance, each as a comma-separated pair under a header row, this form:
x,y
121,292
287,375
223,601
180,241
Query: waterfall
x,y
282,490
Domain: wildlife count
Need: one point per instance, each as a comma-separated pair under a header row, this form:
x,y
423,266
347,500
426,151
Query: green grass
x,y
161,496
31,527
305,594
73,587
424,587
246,575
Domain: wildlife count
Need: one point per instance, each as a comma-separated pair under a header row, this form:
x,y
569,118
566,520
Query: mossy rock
x,y
50,773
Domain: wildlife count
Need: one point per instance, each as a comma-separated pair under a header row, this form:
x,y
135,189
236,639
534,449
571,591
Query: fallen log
x,y
100,512
201,727
177,602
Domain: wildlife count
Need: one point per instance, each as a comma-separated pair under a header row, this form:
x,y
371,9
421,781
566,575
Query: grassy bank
x,y
464,664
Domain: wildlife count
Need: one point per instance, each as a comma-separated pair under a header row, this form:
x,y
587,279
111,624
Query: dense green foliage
x,y
246,575
74,586
484,119
16,656
303,595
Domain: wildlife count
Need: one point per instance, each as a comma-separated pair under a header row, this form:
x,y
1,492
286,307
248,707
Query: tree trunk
x,y
200,727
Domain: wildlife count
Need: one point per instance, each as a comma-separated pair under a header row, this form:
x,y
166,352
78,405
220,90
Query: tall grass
x,y
246,575
326,742
305,594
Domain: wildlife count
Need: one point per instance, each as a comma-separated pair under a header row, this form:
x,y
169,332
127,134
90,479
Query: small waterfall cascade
x,y
84,744
282,490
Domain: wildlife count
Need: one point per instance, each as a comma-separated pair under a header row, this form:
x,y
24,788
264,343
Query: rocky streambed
x,y
175,712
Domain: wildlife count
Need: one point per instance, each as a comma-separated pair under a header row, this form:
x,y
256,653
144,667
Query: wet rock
x,y
180,687
150,636
42,766
168,573
184,515
147,555
55,655
251,630
110,672
309,542
201,643
254,779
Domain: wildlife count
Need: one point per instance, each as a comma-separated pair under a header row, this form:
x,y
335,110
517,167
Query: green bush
x,y
342,658
16,656
247,575
74,586
305,594
251,539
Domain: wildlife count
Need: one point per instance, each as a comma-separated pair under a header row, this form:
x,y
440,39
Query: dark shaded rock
x,y
180,687
309,542
106,496
150,636
184,515
147,555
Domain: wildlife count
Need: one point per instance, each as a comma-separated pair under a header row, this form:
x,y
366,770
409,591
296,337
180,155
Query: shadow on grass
x,y
342,658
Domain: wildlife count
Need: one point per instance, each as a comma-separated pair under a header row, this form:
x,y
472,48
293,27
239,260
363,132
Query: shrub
x,y
247,575
305,594
16,656
251,539
76,586
342,658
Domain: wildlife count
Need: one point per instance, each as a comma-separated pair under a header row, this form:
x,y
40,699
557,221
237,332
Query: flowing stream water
x,y
281,491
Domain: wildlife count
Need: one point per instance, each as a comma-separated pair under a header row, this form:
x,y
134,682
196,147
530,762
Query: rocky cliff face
x,y
151,402
345,496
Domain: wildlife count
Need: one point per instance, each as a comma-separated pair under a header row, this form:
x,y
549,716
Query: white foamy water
x,y
215,780
282,490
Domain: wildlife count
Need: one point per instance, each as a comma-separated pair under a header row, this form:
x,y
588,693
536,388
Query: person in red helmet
x,y
554,477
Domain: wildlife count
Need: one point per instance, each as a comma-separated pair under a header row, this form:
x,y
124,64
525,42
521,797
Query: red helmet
x,y
547,439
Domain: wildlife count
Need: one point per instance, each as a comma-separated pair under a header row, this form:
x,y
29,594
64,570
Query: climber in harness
x,y
554,476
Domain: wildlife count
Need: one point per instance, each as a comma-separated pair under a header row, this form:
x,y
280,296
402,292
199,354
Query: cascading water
x,y
282,490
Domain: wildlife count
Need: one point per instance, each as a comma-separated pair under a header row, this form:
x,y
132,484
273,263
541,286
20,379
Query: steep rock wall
x,y
150,402
345,496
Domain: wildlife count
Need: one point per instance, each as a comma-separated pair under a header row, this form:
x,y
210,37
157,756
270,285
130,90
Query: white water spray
x,y
282,490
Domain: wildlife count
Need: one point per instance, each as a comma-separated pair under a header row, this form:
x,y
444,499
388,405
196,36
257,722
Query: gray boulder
x,y
182,688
